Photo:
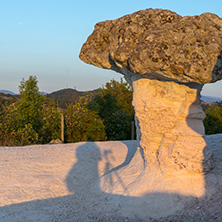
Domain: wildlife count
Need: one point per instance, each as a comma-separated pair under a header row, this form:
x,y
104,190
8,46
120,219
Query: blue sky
x,y
44,38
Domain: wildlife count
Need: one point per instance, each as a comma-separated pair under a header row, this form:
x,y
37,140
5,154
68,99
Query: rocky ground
x,y
65,182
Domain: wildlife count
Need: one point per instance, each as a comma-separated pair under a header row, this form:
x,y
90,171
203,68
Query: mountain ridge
x,y
7,92
211,99
69,94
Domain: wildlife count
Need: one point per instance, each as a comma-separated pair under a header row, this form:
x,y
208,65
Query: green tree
x,y
31,104
9,125
213,120
30,120
114,105
51,127
82,124
118,126
26,136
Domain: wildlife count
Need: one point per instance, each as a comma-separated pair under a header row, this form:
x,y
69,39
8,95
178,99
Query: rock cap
x,y
159,44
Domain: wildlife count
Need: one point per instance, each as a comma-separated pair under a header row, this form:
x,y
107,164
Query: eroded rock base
x,y
170,127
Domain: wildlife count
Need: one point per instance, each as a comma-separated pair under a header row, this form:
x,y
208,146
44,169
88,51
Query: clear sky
x,y
44,38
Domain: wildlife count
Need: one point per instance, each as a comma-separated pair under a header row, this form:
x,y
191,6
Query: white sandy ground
x,y
103,181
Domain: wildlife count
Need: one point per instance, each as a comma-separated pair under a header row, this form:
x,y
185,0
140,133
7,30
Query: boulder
x,y
166,58
57,141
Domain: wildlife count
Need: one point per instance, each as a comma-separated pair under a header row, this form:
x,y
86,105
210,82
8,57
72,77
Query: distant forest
x,y
98,115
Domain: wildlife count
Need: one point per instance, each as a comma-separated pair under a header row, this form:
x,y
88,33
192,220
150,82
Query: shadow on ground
x,y
89,203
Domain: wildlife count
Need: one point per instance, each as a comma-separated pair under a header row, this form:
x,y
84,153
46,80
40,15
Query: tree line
x,y
34,119
106,115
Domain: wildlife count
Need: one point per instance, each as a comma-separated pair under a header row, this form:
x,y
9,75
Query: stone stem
x,y
169,122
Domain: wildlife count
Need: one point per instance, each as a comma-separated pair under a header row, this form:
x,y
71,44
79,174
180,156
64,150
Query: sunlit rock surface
x,y
103,181
169,125
160,44
167,59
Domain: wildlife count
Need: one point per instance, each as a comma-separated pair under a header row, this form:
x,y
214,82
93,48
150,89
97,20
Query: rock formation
x,y
167,59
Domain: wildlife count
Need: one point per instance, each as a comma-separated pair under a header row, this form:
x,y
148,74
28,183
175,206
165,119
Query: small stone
x,y
57,141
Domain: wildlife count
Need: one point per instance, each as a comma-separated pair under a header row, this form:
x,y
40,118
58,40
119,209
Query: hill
x,y
211,99
61,97
7,99
7,92
64,96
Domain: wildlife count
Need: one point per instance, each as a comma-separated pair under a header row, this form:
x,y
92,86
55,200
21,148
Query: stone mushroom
x,y
167,59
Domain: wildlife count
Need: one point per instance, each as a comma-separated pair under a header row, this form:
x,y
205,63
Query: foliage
x,y
26,136
83,124
6,100
213,120
51,127
114,105
118,126
104,114
31,105
9,124
30,120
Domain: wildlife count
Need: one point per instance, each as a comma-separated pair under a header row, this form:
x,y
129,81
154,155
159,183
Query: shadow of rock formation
x,y
97,164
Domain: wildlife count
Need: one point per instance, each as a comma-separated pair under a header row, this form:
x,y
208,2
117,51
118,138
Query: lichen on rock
x,y
159,42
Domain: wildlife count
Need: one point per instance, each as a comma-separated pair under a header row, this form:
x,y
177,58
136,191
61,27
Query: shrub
x,y
26,136
118,126
114,105
213,120
82,124
51,123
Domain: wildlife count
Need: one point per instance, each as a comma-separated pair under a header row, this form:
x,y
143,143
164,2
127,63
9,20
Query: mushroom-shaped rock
x,y
167,59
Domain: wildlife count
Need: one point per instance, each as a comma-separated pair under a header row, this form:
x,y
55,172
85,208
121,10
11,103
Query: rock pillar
x,y
169,122
166,58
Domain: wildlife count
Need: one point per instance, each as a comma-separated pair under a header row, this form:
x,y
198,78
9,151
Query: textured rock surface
x,y
103,181
169,125
159,43
167,59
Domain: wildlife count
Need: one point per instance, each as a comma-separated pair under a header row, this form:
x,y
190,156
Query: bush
x,y
82,124
51,123
25,136
213,120
10,123
114,105
118,126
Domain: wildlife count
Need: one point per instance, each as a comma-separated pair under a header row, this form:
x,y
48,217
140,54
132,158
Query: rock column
x,y
169,122
167,59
